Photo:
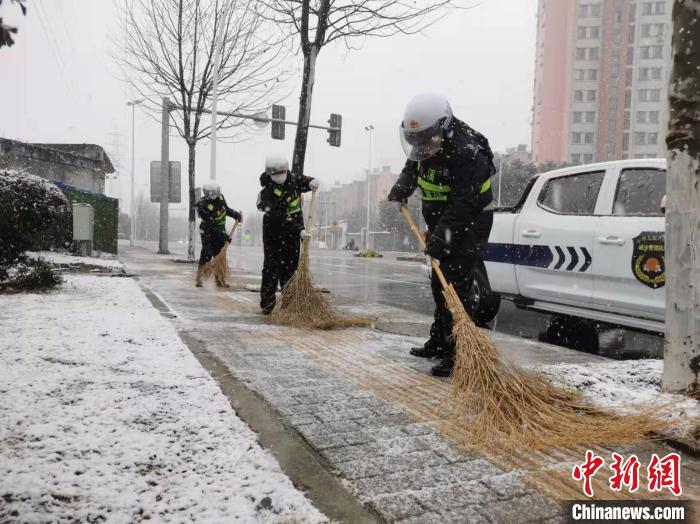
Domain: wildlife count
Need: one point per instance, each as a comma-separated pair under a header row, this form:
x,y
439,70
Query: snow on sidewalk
x,y
99,260
106,415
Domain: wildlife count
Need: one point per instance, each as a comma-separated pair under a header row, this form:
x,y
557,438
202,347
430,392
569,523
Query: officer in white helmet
x,y
283,225
452,165
213,210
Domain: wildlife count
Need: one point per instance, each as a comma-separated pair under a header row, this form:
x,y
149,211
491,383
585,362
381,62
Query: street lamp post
x,y
500,174
370,129
133,104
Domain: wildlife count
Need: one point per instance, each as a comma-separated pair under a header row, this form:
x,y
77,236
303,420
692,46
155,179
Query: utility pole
x,y
682,242
132,228
164,177
370,130
500,175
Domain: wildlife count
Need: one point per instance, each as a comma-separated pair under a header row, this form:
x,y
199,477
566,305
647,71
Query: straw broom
x,y
218,266
301,304
506,407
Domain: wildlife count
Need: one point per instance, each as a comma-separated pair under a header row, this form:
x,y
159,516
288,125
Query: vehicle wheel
x,y
573,333
483,302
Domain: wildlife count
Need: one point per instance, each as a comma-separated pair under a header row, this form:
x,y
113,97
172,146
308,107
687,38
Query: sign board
x,y
175,182
278,113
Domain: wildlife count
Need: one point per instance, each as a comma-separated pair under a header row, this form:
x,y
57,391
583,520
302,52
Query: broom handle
x,y
421,241
309,219
233,230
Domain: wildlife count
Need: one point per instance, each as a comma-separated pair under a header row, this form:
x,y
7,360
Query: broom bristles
x,y
302,305
506,407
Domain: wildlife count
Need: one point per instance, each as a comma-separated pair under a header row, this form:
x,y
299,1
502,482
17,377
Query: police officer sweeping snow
x,y
283,225
451,163
213,210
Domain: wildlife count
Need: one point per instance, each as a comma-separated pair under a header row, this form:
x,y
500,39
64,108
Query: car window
x,y
573,194
639,192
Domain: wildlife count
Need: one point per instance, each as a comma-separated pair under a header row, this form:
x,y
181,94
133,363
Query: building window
x,y
653,30
625,141
587,159
590,117
651,51
654,8
653,138
581,33
595,10
650,95
593,53
583,11
576,138
592,74
641,117
643,73
591,95
653,117
578,95
633,12
627,120
577,117
628,99
576,158
594,32
656,73
630,56
630,35
588,138
580,53
640,138
628,77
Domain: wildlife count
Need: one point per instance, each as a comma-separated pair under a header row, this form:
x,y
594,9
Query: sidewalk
x,y
106,416
371,411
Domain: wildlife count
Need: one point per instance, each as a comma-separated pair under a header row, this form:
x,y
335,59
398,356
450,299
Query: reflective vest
x,y
218,215
293,204
437,192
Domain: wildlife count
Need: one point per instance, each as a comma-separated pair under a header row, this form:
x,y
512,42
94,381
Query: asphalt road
x,y
405,285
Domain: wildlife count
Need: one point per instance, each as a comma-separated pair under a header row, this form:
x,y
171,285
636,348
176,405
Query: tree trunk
x,y
190,198
682,343
307,88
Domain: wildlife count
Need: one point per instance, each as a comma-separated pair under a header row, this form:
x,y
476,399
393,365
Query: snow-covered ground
x,y
106,415
101,260
625,385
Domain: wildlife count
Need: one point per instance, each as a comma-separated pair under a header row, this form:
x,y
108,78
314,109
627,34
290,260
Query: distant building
x,y
82,166
601,80
519,153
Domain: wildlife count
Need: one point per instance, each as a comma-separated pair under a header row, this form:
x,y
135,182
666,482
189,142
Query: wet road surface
x,y
405,285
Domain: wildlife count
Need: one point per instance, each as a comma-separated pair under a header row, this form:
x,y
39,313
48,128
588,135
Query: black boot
x,y
427,350
444,368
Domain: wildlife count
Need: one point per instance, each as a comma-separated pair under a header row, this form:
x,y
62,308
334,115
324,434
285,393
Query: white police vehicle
x,y
585,242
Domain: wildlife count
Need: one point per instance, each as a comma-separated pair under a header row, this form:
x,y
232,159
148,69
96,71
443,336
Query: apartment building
x,y
601,80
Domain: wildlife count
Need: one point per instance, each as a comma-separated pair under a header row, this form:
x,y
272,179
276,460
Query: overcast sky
x,y
60,84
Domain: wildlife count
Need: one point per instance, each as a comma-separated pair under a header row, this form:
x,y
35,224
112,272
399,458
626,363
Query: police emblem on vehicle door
x,y
648,259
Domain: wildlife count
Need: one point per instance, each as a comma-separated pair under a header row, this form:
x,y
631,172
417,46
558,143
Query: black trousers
x,y
457,268
281,248
212,242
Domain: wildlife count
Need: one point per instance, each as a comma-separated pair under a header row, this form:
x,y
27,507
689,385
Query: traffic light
x,y
278,113
336,122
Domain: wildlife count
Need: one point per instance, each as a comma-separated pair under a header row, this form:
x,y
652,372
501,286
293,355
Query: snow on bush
x,y
30,207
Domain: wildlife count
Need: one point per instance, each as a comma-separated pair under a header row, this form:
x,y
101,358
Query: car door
x,y
554,239
629,263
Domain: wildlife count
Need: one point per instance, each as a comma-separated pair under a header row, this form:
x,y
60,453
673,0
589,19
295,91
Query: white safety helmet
x,y
211,190
276,164
424,122
277,167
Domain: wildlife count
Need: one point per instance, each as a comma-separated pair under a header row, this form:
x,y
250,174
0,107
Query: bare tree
x,y
170,52
6,31
318,23
682,344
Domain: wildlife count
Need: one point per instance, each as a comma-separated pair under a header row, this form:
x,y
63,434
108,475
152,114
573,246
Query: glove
x,y
228,239
240,217
303,234
314,184
437,248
